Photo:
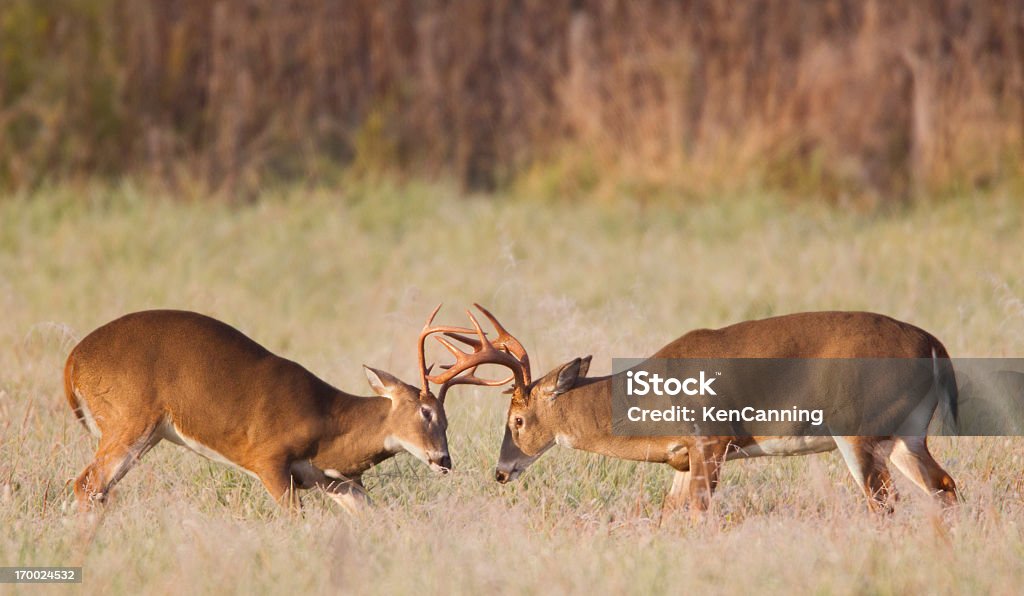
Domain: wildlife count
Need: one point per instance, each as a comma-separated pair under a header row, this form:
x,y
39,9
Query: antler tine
x,y
504,337
424,373
433,314
460,356
480,332
507,341
504,342
469,341
470,378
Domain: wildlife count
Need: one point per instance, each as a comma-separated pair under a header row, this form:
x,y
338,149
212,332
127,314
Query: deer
x,y
565,407
204,385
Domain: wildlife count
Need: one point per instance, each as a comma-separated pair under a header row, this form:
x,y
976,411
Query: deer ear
x,y
382,383
565,378
584,366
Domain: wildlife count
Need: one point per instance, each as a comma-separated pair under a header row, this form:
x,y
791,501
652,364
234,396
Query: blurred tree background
x,y
841,99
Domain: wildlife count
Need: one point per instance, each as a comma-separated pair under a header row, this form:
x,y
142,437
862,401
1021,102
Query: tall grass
x,y
333,281
855,101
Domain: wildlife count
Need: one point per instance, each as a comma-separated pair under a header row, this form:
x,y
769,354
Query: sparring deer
x,y
567,408
200,383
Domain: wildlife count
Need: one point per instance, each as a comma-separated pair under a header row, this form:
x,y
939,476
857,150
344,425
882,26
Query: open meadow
x,y
334,280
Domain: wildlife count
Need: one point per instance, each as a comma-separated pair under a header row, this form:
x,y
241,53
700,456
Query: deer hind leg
x,y
910,455
868,468
116,454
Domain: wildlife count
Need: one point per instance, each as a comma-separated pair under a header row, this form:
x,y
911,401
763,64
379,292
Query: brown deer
x,y
200,383
567,408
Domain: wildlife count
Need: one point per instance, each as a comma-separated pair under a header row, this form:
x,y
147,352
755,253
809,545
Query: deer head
x,y
529,430
417,420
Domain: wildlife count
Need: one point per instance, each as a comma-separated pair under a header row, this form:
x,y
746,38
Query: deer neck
x,y
582,420
579,420
354,434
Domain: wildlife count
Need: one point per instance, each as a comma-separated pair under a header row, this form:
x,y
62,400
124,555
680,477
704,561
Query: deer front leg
x,y
281,485
678,495
348,493
706,458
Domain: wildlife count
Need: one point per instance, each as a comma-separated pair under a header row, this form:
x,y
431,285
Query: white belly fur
x,y
174,435
786,446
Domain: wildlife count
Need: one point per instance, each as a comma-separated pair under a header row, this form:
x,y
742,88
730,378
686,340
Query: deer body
x,y
567,408
203,384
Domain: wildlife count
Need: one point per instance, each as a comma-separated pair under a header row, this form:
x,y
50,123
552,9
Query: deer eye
x,y
519,422
426,413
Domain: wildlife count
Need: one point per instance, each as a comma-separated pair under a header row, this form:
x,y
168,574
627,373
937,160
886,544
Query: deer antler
x,y
470,379
504,351
427,331
507,342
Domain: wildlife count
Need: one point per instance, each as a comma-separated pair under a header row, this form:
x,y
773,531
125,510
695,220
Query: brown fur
x,y
163,374
583,414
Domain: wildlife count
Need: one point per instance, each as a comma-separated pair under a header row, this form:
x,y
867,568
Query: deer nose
x,y
445,463
501,476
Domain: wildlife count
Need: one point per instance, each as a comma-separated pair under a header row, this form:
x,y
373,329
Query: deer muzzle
x,y
441,463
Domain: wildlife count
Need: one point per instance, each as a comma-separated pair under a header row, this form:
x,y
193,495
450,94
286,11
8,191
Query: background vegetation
x,y
854,101
334,281
605,175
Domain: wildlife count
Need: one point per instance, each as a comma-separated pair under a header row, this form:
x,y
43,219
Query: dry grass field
x,y
334,281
